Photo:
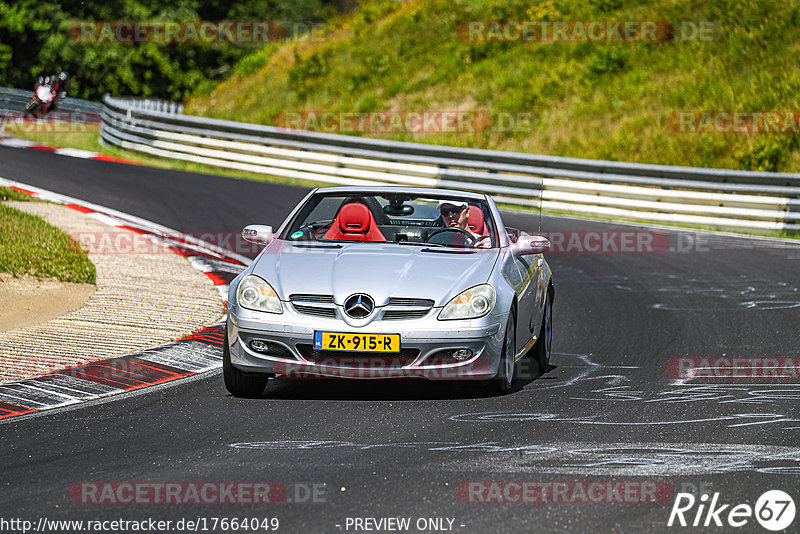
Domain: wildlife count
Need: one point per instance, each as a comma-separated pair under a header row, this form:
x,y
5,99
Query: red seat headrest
x,y
354,222
476,222
354,219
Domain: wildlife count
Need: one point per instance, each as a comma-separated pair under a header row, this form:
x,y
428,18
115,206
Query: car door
x,y
527,298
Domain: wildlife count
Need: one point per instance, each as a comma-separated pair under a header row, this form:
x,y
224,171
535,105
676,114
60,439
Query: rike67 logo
x,y
774,510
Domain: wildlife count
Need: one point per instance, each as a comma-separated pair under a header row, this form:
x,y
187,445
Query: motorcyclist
x,y
58,85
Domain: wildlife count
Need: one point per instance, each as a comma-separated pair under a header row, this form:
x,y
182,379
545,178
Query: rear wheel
x,y
501,384
545,342
238,383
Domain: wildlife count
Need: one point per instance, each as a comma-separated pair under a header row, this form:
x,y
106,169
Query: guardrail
x,y
659,193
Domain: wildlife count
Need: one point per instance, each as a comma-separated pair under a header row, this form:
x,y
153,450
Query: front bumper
x,y
425,345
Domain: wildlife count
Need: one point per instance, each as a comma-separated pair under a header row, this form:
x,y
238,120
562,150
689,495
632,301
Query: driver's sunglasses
x,y
452,211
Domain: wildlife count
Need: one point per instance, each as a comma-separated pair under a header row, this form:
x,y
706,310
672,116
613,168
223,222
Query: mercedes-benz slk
x,y
389,282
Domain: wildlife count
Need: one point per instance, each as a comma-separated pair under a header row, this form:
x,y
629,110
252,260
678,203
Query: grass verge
x,y
12,194
618,101
28,245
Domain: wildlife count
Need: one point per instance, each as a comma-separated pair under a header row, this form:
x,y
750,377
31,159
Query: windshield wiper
x,y
447,250
309,245
419,243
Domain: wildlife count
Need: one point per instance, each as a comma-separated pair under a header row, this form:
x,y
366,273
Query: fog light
x,y
462,354
259,346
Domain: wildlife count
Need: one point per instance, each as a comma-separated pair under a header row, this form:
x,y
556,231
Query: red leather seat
x,y
476,222
354,222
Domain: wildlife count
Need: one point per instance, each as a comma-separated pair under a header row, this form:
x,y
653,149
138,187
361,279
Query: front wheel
x,y
31,108
545,342
236,382
502,382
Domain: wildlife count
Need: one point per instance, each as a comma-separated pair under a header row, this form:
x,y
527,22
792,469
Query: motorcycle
x,y
43,100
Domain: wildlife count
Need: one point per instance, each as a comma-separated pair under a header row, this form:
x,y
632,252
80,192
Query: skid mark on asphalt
x,y
576,458
735,420
742,293
603,384
644,459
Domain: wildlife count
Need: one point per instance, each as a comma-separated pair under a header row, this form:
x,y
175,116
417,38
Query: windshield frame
x,y
299,219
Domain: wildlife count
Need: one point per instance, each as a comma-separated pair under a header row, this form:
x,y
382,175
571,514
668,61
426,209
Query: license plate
x,y
357,342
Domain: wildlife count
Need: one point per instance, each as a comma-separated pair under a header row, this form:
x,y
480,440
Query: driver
x,y
454,215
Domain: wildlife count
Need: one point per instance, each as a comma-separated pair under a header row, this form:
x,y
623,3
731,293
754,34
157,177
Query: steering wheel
x,y
479,239
466,233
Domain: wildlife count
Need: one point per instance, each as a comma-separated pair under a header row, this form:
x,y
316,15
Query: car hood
x,y
379,270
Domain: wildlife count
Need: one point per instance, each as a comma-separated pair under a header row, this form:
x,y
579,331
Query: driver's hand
x,y
462,220
481,241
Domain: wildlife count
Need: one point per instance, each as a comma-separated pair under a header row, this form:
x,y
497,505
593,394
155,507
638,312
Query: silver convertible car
x,y
389,282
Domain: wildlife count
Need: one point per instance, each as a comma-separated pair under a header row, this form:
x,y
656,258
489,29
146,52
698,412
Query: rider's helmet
x,y
63,76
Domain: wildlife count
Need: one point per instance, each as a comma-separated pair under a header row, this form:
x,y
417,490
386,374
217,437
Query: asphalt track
x,y
606,410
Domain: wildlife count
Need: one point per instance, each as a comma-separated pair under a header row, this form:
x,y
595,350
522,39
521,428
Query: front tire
x,y
544,344
31,108
236,382
501,384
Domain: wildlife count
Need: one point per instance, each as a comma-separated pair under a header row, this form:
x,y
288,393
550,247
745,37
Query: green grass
x,y
12,194
586,99
28,245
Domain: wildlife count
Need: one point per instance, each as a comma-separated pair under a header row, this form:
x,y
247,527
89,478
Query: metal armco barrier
x,y
659,193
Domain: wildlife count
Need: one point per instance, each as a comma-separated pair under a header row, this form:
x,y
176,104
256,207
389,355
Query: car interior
x,y
391,218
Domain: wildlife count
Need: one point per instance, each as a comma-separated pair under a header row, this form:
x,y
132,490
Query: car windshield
x,y
441,221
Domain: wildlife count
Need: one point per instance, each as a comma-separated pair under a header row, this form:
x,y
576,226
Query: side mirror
x,y
531,244
258,233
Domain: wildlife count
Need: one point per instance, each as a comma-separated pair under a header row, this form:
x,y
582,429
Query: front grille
x,y
403,301
419,308
390,315
315,310
308,297
358,360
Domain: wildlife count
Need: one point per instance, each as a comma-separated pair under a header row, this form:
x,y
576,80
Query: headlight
x,y
473,303
256,294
